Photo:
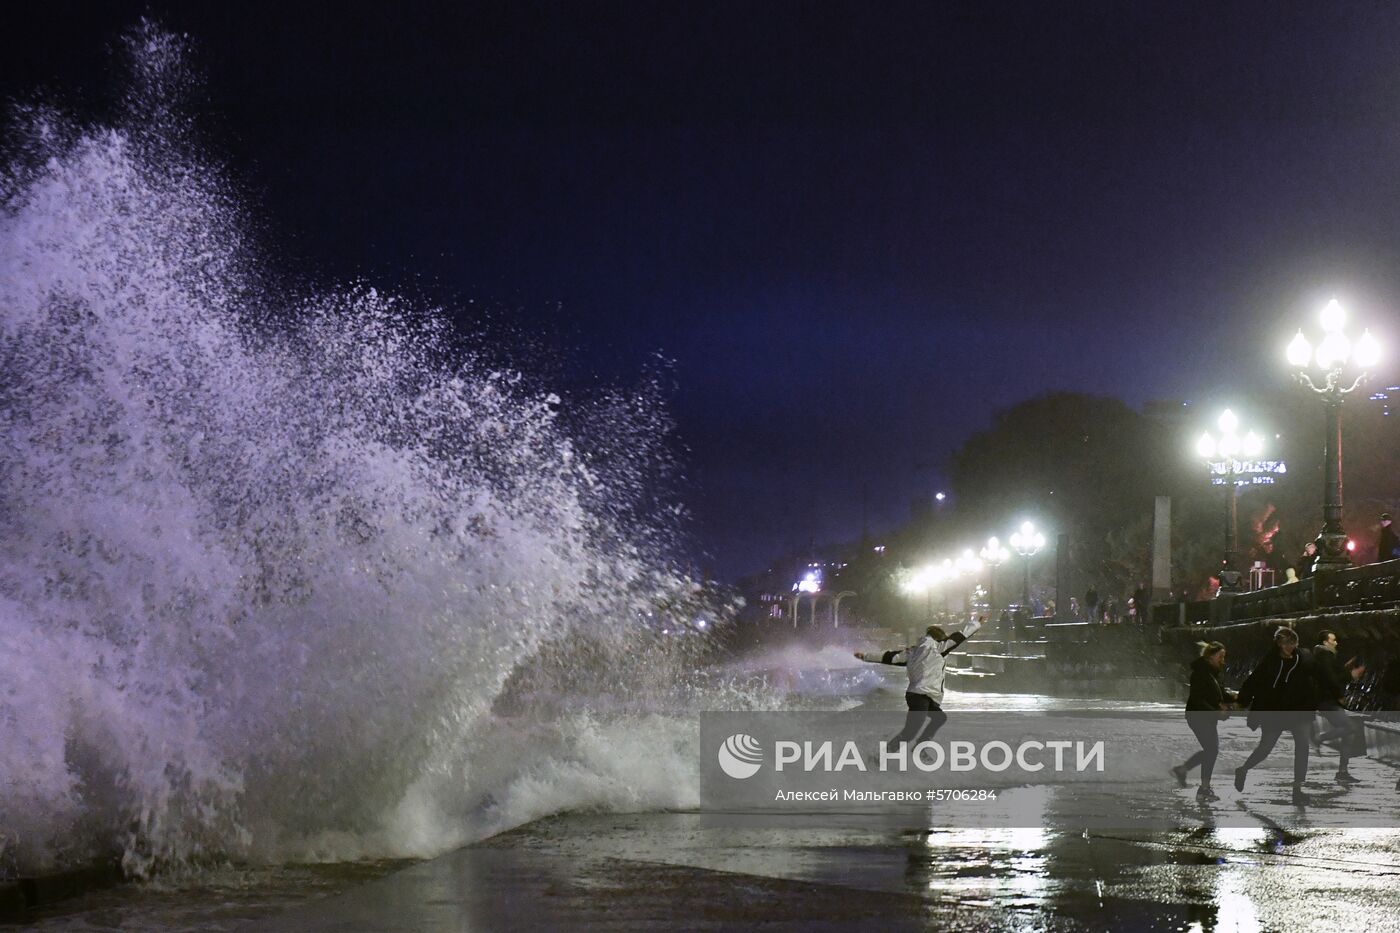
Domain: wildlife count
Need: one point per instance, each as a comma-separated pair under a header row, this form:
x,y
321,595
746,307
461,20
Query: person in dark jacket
x,y
1388,546
1142,606
1332,679
1306,560
1282,697
1206,704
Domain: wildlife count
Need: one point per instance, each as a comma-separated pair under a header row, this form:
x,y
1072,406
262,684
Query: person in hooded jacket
x,y
1282,697
1207,703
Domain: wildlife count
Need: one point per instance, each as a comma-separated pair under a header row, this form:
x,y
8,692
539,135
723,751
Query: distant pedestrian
x,y
1388,547
925,665
1142,605
1333,677
1282,697
1306,560
1206,704
1091,604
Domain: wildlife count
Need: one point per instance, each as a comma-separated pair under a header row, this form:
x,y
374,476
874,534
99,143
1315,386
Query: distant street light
x,y
1337,358
1027,542
994,554
1222,450
924,581
970,566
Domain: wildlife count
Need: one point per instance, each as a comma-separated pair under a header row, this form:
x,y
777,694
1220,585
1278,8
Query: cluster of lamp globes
x,y
1336,349
1333,352
1229,444
1026,541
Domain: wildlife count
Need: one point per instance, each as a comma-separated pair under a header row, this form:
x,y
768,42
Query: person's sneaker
x,y
1240,775
1346,777
1179,773
1205,795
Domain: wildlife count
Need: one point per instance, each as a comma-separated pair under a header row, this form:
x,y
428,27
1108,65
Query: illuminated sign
x,y
1247,472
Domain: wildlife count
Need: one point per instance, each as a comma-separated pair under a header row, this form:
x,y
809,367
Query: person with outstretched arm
x,y
926,667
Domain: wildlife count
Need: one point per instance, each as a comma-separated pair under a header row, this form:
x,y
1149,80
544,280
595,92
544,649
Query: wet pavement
x,y
1249,862
842,872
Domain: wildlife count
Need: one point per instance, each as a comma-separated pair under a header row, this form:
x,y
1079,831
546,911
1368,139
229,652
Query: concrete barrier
x,y
12,902
23,894
1383,741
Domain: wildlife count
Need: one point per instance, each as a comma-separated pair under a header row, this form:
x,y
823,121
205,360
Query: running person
x,y
1332,679
1282,697
926,668
1207,704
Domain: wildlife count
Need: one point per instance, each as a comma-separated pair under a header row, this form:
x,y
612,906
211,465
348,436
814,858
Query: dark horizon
x,y
856,236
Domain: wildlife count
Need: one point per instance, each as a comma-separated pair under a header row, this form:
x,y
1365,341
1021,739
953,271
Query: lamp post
x,y
1027,542
1219,452
923,581
994,554
968,565
1336,357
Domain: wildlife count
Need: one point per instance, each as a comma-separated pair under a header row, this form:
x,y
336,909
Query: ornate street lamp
x,y
1027,542
1220,452
1337,358
994,554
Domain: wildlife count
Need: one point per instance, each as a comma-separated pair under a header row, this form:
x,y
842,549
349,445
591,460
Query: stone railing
x,y
1369,586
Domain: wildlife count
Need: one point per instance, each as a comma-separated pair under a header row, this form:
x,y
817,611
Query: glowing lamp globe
x,y
1299,351
1368,351
1334,350
1334,317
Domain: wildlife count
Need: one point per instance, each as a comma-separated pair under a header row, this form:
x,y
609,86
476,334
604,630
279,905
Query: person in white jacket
x,y
926,667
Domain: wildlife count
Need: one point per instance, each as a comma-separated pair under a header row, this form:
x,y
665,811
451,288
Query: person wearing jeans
x,y
1206,705
1282,697
1332,679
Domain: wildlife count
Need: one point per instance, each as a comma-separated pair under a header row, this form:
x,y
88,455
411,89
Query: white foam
x,y
271,563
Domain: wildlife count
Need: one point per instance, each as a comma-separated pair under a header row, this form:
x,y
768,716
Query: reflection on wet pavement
x,y
677,870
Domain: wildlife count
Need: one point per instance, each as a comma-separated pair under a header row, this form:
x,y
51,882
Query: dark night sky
x,y
857,229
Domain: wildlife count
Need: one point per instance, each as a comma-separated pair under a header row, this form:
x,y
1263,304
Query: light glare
x,y
1334,317
1368,350
1333,351
1299,351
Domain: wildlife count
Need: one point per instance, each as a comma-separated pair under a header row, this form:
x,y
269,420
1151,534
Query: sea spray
x,y
288,576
